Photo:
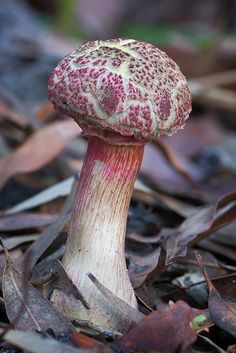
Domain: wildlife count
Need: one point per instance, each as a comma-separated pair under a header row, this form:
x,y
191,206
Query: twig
x,y
206,94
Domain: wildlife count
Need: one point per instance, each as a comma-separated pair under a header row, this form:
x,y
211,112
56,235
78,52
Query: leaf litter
x,y
223,312
42,243
40,149
179,202
26,308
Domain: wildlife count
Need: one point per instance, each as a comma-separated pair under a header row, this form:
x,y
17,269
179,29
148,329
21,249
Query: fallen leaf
x,y
223,312
129,314
156,167
25,221
43,268
8,113
225,285
17,258
175,241
211,96
40,149
177,163
47,237
141,267
63,282
60,189
26,308
45,111
198,226
213,246
187,142
147,195
84,341
166,330
139,238
222,242
34,343
12,242
88,327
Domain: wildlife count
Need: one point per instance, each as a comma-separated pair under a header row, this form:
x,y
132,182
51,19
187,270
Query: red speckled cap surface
x,y
121,87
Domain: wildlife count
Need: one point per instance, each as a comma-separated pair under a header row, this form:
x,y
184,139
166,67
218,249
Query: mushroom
x,y
123,94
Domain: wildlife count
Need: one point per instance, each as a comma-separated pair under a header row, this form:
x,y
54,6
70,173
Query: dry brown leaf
x,y
61,189
177,163
92,345
34,251
34,343
17,258
26,308
166,330
62,281
25,221
40,149
187,142
12,242
223,312
44,112
159,170
174,242
198,226
9,114
130,315
141,266
214,247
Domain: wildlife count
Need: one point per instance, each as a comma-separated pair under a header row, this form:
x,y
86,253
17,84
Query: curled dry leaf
x,y
141,266
166,330
174,242
40,149
223,312
198,226
26,308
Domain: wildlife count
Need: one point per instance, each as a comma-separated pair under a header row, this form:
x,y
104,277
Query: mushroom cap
x,y
121,89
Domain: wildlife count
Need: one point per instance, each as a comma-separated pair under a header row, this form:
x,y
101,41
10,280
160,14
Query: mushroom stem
x,y
97,230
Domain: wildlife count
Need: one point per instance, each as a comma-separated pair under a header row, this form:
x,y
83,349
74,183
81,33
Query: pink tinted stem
x,y
98,225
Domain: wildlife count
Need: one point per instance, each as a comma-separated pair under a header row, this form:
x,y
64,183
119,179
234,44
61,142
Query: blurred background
x,y
35,34
200,36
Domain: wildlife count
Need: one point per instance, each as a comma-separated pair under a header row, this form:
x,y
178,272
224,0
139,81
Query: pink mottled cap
x,y
121,89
